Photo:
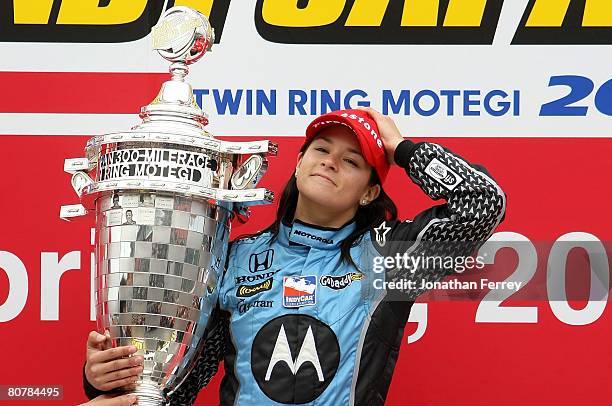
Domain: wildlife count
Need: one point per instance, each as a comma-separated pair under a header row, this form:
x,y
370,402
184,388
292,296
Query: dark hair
x,y
380,209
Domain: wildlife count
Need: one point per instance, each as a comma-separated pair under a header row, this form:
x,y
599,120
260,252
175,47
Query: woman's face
x,y
332,172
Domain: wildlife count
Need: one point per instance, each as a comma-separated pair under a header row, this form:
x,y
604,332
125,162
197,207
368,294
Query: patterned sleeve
x,y
475,205
207,364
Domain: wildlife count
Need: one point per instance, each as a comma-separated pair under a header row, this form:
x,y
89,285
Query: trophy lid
x,y
182,36
170,153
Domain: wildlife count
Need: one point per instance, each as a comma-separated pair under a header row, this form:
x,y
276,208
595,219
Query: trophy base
x,y
149,394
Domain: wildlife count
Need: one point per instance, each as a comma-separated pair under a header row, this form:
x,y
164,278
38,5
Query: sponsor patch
x,y
381,233
244,306
340,282
443,174
294,358
313,237
299,291
251,290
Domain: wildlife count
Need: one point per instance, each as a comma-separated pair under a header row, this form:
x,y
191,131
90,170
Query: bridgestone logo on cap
x,y
365,125
332,122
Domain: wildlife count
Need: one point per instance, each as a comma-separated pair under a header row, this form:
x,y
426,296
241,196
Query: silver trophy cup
x,y
164,194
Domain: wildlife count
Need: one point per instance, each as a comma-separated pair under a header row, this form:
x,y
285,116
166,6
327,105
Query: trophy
x,y
164,194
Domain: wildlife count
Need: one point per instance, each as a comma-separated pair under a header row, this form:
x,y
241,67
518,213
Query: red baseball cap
x,y
365,129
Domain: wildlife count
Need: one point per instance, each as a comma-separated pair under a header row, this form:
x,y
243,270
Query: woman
x,y
306,313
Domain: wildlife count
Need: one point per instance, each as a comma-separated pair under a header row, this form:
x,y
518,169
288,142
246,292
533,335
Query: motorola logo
x,y
294,358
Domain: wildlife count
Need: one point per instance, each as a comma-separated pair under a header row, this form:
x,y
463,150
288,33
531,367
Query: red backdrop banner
x,y
554,187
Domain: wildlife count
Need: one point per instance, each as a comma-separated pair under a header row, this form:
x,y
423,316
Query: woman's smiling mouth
x,y
324,177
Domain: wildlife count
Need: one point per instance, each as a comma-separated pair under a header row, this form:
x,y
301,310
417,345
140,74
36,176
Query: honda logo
x,y
261,261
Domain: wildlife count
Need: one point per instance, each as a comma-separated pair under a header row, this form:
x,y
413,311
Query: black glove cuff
x,y
404,151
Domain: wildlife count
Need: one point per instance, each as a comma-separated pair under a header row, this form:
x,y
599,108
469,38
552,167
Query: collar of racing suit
x,y
314,236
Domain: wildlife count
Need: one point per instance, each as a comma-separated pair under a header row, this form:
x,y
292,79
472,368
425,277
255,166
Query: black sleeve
x,y
475,205
90,391
207,364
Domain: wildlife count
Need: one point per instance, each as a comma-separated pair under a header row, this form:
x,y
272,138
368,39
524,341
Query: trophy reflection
x,y
164,194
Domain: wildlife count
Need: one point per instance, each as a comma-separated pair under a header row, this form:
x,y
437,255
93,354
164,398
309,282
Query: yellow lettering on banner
x,y
465,13
32,11
548,13
367,13
88,12
285,13
203,6
420,13
597,13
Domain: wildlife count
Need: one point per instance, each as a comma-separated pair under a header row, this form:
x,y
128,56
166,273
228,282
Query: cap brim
x,y
331,120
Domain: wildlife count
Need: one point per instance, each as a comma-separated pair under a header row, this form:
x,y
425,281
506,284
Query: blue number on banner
x,y
580,87
603,98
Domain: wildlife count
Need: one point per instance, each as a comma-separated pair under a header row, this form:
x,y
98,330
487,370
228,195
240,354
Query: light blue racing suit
x,y
297,325
305,327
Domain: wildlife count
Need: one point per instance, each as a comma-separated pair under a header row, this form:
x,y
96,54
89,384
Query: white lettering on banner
x,y
418,314
489,309
599,276
51,271
18,286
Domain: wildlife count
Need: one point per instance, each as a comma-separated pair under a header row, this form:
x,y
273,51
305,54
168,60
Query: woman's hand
x,y
110,368
112,400
389,133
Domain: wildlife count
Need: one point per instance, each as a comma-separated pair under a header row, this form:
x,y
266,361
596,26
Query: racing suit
x,y
297,325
